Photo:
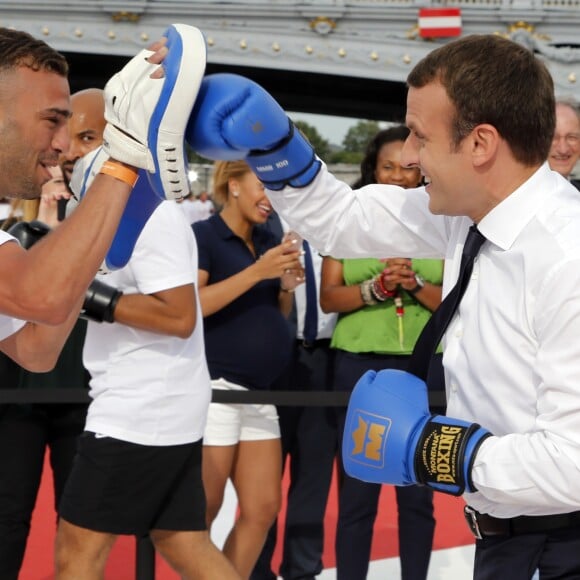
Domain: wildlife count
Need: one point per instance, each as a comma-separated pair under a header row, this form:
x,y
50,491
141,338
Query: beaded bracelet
x,y
379,291
366,292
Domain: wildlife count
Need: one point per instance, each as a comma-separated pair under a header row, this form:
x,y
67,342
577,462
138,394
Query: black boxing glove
x,y
100,302
28,233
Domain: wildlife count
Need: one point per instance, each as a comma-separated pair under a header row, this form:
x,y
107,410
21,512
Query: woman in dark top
x,y
248,343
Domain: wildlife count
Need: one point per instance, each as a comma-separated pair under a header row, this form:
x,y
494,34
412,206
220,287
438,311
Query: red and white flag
x,y
439,22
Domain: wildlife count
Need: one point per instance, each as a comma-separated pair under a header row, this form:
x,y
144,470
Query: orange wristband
x,y
120,172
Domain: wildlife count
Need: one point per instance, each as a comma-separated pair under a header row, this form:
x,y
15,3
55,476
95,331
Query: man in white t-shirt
x,y
138,464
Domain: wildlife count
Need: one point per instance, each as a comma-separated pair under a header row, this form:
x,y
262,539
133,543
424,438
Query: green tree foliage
x,y
193,157
356,140
320,144
342,156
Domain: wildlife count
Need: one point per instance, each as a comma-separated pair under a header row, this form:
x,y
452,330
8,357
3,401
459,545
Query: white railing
x,y
185,6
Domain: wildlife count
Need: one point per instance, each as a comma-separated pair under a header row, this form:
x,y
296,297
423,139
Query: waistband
x,y
484,525
315,343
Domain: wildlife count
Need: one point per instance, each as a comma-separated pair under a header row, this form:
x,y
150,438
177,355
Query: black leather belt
x,y
484,525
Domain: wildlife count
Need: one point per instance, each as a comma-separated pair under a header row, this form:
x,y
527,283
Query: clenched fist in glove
x,y
235,118
391,437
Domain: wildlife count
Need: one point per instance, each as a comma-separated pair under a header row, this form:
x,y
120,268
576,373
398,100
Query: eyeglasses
x,y
571,139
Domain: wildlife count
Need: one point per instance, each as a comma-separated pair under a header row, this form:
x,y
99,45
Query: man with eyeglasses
x,y
565,150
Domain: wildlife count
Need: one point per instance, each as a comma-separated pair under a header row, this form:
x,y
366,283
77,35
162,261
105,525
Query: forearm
x,y
538,480
328,213
429,296
286,300
154,313
214,297
36,347
341,299
51,276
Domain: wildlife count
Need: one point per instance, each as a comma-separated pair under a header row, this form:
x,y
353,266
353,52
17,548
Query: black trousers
x,y
358,500
556,555
25,433
309,445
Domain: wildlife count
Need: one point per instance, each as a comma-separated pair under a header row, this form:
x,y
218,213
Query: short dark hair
x,y
490,79
369,162
20,49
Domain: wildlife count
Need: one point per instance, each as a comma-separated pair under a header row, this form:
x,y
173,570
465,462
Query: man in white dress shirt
x,y
481,111
512,353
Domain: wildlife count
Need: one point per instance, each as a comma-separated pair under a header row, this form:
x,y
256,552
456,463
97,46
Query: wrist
x,y
292,161
448,448
419,285
100,302
379,291
121,171
366,292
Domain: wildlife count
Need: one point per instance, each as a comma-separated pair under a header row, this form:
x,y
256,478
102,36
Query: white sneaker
x,y
146,118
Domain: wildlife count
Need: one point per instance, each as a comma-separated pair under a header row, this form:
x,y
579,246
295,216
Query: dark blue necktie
x,y
433,331
311,316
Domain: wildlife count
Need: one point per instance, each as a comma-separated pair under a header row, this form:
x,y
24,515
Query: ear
x,y
485,142
233,185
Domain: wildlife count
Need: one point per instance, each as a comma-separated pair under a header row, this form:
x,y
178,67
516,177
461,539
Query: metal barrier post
x,y
144,559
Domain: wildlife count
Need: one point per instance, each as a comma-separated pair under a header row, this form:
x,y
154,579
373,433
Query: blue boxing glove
x,y
235,118
391,437
141,204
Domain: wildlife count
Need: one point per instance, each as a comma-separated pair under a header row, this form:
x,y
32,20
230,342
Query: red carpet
x,y
38,564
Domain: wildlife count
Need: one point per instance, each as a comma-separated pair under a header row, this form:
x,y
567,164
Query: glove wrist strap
x,y
445,453
292,162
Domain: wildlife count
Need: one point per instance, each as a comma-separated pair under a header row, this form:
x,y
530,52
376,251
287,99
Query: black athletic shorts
x,y
124,488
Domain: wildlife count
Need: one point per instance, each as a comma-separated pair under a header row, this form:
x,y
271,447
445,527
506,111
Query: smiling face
x,y
388,169
248,195
447,169
565,150
34,109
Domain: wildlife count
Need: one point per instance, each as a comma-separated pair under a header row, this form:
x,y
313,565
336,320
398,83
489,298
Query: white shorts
x,y
228,424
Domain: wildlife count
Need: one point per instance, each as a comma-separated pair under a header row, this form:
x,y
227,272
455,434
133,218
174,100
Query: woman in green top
x,y
383,305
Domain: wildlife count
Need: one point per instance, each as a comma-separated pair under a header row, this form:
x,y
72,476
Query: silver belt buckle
x,y
471,518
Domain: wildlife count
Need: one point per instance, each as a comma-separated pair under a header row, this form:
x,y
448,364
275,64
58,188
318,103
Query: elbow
x,y
325,306
49,311
185,327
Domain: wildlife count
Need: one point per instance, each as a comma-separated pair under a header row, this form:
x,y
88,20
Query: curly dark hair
x,y
369,162
18,48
